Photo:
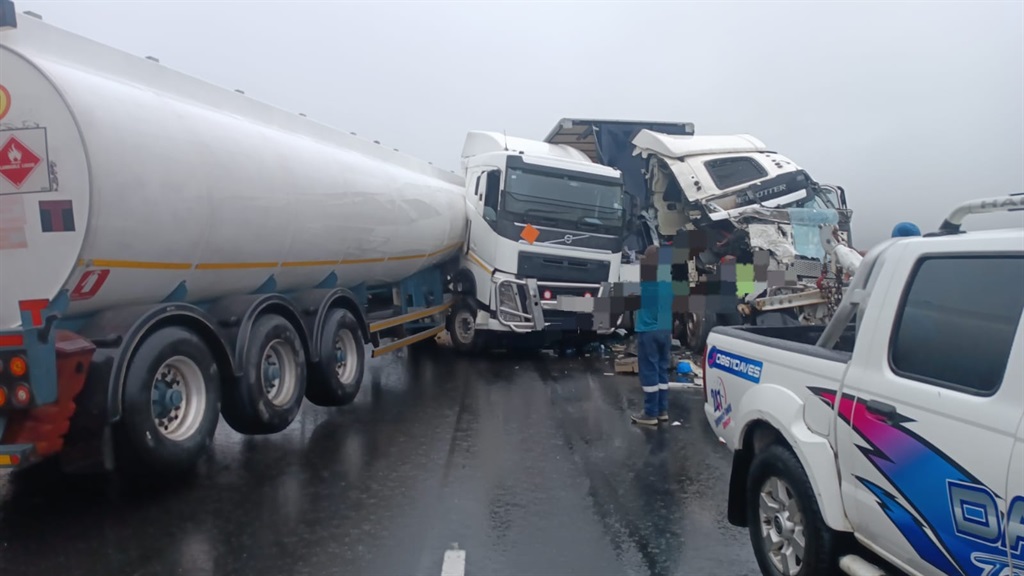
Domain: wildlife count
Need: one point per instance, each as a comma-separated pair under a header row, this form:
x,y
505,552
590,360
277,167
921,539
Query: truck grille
x,y
550,268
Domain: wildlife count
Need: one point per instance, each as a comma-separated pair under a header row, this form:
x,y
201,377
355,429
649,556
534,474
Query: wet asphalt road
x,y
530,464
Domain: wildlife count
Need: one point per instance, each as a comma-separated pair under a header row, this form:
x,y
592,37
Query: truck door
x,y
931,409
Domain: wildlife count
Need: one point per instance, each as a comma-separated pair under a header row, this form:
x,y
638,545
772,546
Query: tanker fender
x,y
235,316
314,304
117,332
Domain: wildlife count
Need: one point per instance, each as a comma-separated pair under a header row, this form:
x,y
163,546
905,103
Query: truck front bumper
x,y
521,308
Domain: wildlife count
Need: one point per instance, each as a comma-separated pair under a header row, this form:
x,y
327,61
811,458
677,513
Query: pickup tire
x,y
788,534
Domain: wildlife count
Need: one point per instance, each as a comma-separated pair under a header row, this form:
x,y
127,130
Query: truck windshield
x,y
564,200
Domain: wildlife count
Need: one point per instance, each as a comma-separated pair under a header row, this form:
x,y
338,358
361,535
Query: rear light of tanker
x,y
18,366
3,396
21,396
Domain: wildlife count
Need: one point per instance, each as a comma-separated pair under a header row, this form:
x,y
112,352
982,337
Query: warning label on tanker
x,y
24,166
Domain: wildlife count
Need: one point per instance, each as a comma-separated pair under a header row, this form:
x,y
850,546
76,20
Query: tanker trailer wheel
x,y
171,403
335,378
462,327
267,397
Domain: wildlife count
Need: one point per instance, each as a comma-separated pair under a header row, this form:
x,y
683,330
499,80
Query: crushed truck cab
x,y
899,424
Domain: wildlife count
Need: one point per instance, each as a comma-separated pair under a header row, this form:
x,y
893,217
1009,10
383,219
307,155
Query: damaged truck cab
x,y
742,217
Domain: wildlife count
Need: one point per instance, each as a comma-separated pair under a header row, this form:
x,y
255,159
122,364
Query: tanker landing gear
x,y
269,393
171,403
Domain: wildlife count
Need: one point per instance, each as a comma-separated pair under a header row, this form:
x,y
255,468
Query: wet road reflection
x,y
530,464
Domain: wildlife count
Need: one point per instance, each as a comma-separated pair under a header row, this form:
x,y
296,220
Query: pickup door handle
x,y
883,409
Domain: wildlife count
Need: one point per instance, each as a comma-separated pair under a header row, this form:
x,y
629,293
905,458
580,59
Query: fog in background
x,y
912,107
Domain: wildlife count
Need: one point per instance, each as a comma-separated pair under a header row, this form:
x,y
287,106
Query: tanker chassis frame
x,y
141,388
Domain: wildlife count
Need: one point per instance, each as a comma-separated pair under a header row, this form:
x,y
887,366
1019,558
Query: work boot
x,y
642,418
663,417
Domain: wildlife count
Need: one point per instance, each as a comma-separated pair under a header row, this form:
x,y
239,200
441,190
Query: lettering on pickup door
x,y
947,515
735,364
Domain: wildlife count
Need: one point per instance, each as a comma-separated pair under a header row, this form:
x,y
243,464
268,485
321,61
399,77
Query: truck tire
x,y
269,393
786,514
171,404
462,327
335,379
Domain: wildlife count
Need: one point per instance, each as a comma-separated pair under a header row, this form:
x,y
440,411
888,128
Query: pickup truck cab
x,y
898,425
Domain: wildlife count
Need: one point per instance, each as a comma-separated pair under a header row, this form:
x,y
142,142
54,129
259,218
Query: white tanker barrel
x,y
121,179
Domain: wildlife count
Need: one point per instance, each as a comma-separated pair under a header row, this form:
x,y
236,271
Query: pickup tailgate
x,y
773,374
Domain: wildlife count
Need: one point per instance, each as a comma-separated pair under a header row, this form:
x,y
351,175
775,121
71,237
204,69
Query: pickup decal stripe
x,y
922,475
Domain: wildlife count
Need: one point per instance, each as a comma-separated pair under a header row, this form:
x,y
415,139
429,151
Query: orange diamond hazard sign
x,y
17,162
529,233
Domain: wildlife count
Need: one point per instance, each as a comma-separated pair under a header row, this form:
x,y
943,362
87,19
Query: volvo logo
x,y
568,238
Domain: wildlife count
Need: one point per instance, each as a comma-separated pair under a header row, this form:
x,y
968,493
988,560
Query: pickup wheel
x,y
788,534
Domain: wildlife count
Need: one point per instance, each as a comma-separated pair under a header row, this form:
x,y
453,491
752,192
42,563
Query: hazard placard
x,y
89,284
24,163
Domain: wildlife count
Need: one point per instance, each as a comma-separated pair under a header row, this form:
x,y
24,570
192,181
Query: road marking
x,y
454,563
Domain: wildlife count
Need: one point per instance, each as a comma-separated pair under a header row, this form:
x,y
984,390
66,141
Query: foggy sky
x,y
911,107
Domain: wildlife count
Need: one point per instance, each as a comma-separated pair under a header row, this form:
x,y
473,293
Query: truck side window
x,y
730,172
957,322
491,193
479,189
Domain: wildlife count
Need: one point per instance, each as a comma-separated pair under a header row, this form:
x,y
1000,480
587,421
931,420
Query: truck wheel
x,y
268,395
171,403
462,327
698,326
335,379
786,529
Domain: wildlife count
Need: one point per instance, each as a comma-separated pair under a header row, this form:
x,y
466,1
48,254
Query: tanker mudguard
x,y
235,315
313,306
118,331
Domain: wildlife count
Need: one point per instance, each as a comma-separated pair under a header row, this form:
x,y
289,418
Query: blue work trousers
x,y
654,355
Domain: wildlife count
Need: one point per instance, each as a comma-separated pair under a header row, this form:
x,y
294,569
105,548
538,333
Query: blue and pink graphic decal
x,y
963,531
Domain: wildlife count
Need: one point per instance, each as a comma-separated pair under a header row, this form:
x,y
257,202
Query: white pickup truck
x,y
899,426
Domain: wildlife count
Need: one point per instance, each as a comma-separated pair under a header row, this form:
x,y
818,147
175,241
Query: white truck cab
x,y
544,239
900,423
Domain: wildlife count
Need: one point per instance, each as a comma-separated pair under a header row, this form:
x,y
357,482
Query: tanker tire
x,y
778,462
467,339
142,448
250,407
328,387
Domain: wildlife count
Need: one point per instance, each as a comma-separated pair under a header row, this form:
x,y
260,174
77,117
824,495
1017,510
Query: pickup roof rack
x,y
951,225
857,293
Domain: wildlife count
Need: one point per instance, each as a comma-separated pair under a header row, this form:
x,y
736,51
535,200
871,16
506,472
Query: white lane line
x,y
454,563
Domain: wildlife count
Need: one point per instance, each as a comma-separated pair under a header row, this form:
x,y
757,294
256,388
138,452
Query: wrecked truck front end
x,y
745,216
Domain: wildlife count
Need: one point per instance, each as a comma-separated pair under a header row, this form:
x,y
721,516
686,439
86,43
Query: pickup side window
x,y
730,172
957,322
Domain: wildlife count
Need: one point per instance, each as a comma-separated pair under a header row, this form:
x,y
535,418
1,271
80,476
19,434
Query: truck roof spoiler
x,y
951,225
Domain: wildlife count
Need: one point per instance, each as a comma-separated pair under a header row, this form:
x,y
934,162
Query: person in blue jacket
x,y
654,337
